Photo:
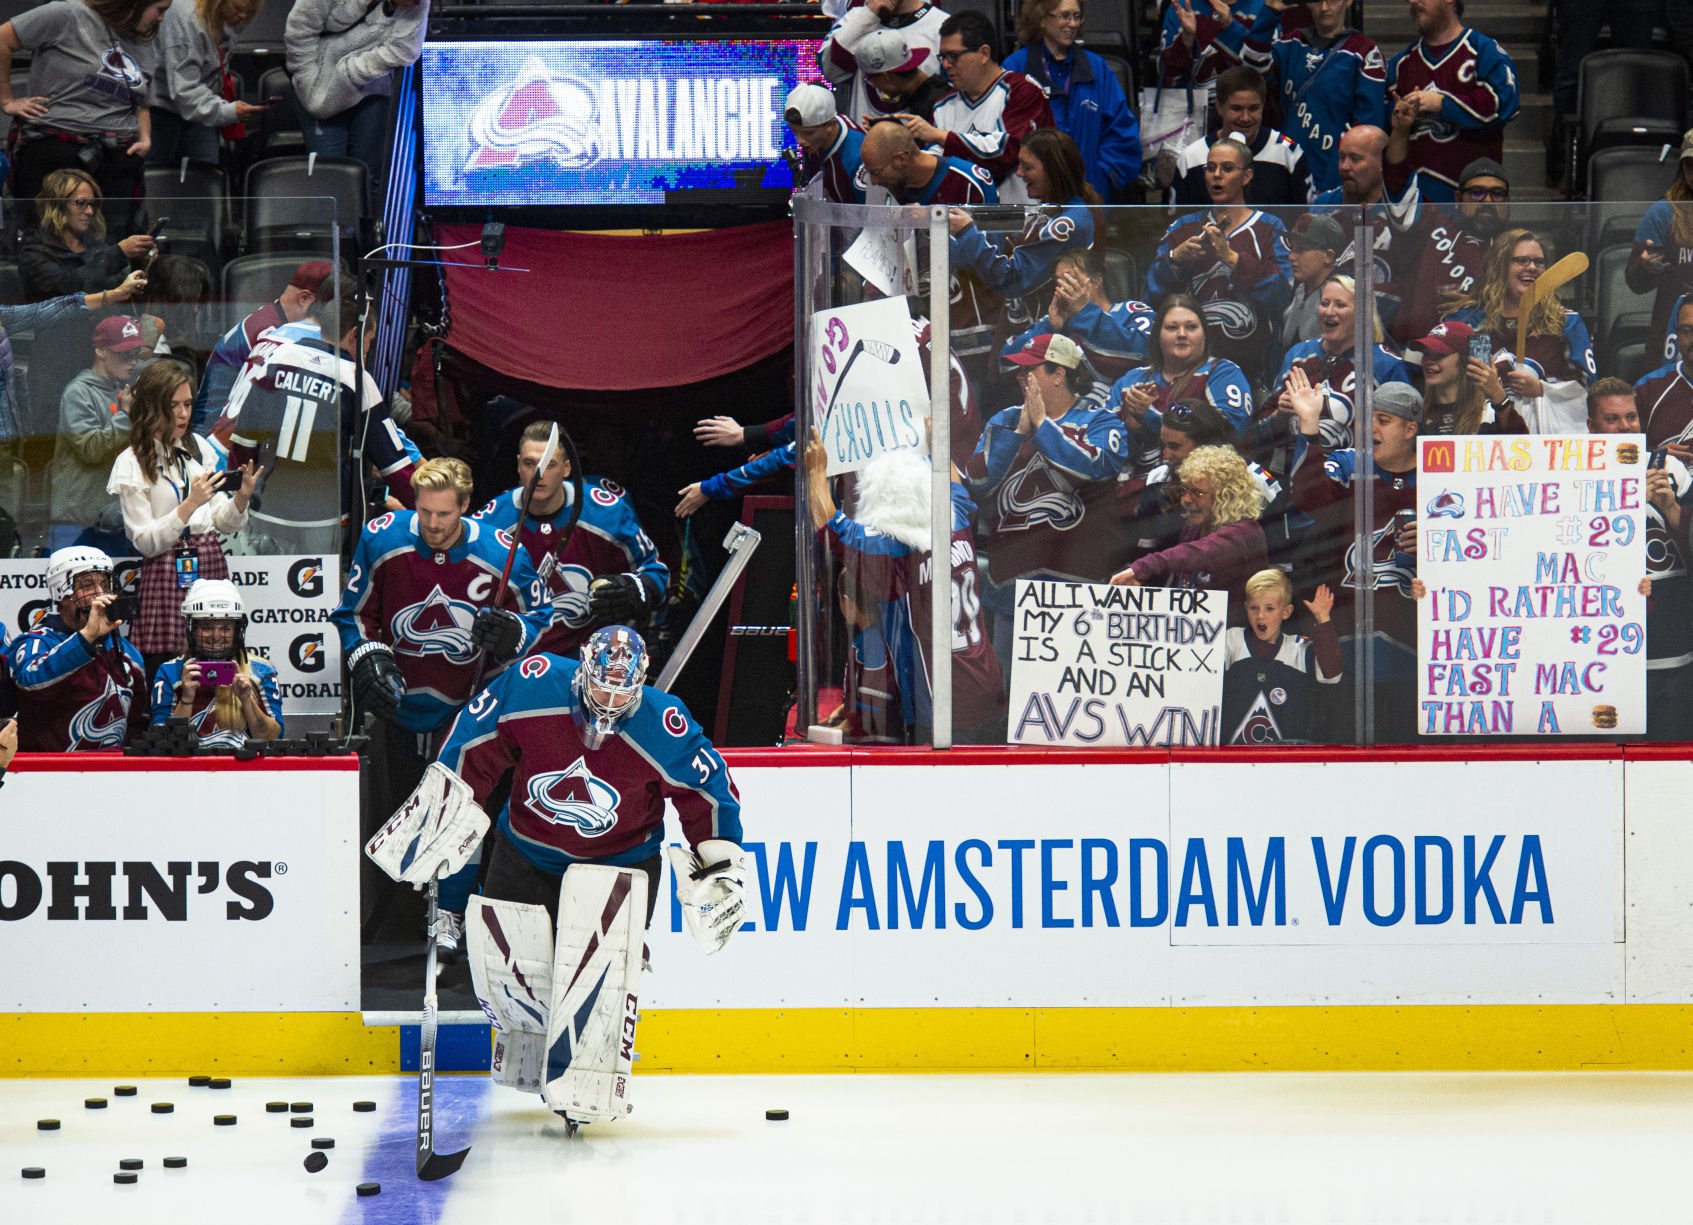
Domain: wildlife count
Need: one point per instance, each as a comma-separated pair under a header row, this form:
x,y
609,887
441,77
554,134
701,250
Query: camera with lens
x,y
126,608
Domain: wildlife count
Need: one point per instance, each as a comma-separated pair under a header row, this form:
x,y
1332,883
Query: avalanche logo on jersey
x,y
571,601
100,724
215,737
1259,726
1038,496
1390,567
575,797
539,117
437,625
1235,320
119,77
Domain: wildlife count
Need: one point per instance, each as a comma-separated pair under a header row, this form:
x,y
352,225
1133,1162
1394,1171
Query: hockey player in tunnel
x,y
415,618
593,753
606,570
1272,680
297,406
224,716
80,684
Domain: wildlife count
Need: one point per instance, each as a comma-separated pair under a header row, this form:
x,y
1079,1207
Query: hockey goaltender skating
x,y
556,939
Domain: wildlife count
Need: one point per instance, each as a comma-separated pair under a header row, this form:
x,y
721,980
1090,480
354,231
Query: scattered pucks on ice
x,y
303,1120
276,1107
94,1103
322,1142
300,1107
223,1120
219,1082
123,1091
125,1176
778,1116
315,1162
47,1125
370,1188
162,1108
176,1163
34,1171
199,1082
364,1107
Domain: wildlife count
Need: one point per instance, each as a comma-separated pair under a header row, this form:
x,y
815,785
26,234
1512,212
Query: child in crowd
x,y
1270,679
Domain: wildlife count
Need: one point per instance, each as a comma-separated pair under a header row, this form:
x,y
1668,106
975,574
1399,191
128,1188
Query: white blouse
x,y
149,511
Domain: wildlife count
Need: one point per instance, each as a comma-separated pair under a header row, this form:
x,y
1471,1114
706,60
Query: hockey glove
x,y
712,887
437,829
497,632
618,598
377,683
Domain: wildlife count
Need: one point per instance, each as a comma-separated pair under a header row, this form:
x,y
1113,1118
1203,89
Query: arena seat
x,y
1626,98
285,210
1622,318
195,196
279,133
1622,177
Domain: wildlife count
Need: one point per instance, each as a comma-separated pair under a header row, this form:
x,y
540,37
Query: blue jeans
x,y
174,138
360,133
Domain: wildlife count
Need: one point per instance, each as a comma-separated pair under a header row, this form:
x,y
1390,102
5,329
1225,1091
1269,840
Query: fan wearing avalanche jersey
x,y
876,38
1463,88
887,542
296,405
1272,681
829,144
81,685
1114,336
606,570
1666,394
594,754
223,715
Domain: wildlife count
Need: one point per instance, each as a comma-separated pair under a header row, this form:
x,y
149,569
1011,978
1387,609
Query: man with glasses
x,y
988,110
892,161
1460,89
93,431
860,48
81,685
1442,249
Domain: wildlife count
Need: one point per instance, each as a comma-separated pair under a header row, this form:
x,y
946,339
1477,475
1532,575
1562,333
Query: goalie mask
x,y
608,684
217,622
65,566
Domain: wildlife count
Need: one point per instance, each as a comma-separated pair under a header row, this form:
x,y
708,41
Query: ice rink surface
x,y
1588,1148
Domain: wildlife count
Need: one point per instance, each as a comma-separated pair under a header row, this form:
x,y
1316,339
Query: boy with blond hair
x,y
1271,679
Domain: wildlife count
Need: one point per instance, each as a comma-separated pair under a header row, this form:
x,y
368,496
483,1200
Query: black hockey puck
x,y
219,1082
776,1116
370,1188
126,1176
34,1171
123,1091
199,1082
131,1163
315,1162
364,1107
322,1142
276,1107
304,1120
223,1120
162,1108
176,1163
94,1103
47,1125
300,1107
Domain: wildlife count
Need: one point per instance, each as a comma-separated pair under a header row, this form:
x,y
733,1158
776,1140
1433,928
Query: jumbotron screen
x,y
608,123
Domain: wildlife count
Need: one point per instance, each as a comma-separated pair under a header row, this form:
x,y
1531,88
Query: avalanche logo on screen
x,y
539,117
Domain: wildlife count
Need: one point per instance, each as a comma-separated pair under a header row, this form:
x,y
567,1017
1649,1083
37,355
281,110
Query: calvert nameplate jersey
x,y
422,603
570,802
72,697
608,540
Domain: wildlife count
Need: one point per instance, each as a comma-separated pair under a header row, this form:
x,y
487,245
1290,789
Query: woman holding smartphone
x,y
174,502
228,694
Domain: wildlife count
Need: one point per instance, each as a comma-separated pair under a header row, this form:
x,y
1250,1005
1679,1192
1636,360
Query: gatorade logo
x,y
32,614
305,577
306,653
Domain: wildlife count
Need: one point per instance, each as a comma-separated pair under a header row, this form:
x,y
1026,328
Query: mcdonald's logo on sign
x,y
1440,455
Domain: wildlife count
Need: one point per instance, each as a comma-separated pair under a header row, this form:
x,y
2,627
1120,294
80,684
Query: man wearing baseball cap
x,y
1442,248
1662,259
829,144
858,48
1314,245
1040,469
93,431
311,282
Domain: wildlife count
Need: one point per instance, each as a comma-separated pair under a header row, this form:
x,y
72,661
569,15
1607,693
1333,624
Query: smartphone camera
x,y
126,608
217,672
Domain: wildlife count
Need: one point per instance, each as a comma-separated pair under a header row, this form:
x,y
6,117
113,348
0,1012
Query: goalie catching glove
x,y
712,887
437,829
377,683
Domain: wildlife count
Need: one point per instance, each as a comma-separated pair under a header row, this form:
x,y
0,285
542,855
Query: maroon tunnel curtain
x,y
621,312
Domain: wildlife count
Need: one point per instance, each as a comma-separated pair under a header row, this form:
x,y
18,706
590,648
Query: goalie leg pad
x,y
602,914
437,829
510,948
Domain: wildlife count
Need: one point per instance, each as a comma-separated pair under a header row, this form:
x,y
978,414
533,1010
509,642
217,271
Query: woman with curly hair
x,y
1559,362
1221,544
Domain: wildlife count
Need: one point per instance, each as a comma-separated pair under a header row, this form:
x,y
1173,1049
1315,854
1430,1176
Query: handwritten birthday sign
x,y
1532,550
869,391
1129,666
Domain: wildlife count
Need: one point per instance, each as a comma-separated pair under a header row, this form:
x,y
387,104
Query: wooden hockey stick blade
x,y
1550,282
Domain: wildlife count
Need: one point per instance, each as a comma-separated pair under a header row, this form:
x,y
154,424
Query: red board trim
x,y
115,763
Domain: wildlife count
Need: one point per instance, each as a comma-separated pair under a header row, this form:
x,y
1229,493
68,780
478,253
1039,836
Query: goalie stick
x,y
430,1164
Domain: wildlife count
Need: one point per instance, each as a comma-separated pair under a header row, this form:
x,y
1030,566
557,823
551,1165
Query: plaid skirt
x,y
160,630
